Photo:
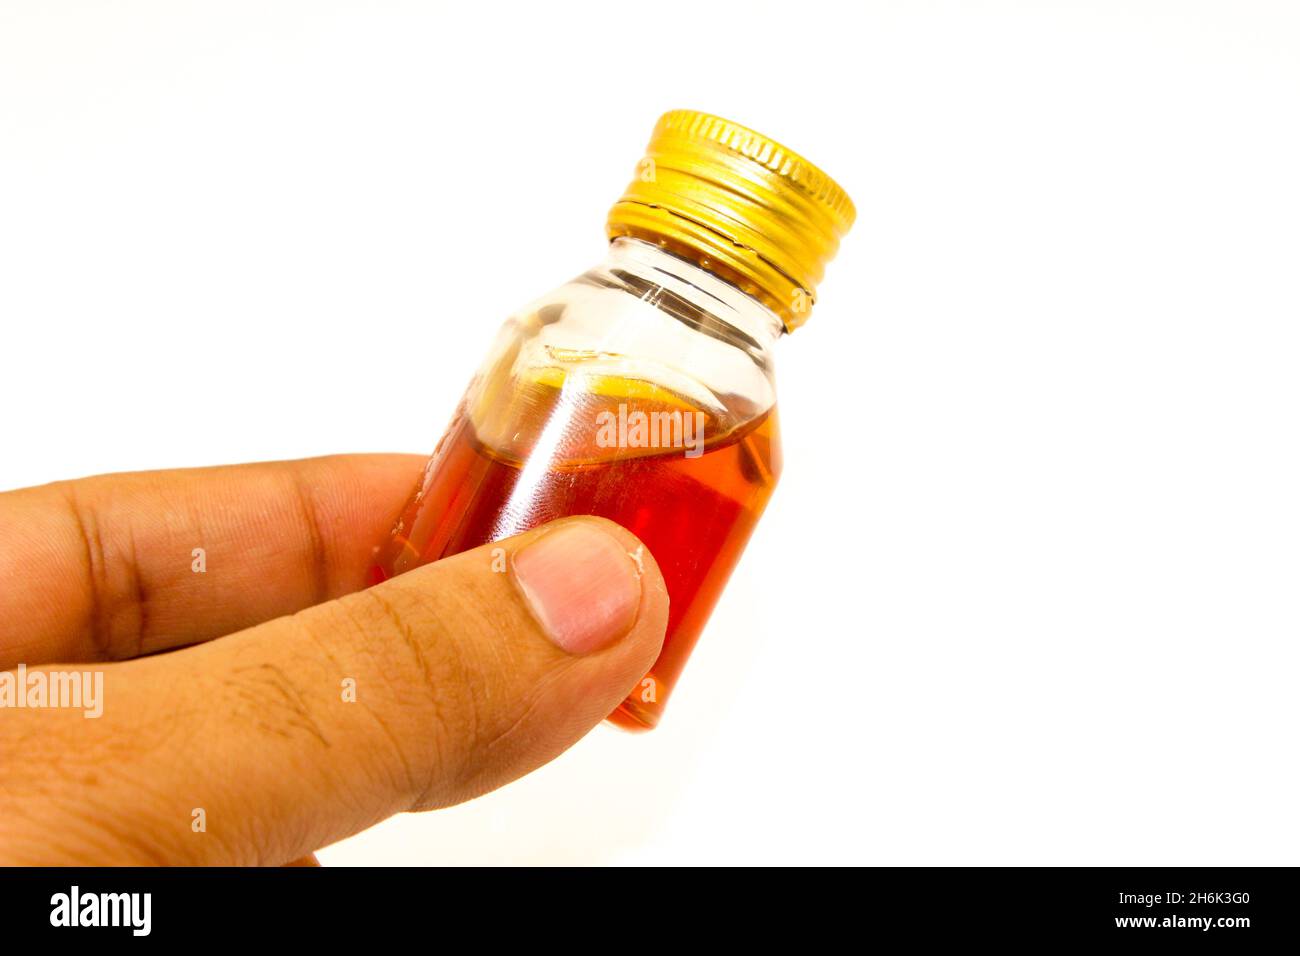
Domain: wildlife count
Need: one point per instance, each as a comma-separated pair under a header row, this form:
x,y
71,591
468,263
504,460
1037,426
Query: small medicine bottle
x,y
642,391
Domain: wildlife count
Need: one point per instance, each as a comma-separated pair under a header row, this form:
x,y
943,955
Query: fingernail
x,y
581,586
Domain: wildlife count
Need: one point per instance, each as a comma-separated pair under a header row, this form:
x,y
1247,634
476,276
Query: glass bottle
x,y
642,390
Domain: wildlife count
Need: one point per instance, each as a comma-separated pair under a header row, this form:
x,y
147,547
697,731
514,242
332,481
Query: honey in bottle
x,y
642,391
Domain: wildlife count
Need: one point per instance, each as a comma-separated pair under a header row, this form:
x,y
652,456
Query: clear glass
x,y
641,391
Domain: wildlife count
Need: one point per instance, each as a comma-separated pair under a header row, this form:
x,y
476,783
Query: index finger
x,y
118,566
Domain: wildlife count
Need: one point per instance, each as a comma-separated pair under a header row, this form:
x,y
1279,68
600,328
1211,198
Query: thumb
x,y
421,692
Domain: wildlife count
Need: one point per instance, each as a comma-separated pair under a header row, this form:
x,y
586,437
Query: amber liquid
x,y
695,514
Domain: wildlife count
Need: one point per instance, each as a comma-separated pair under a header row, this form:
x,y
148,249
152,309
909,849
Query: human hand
x,y
292,708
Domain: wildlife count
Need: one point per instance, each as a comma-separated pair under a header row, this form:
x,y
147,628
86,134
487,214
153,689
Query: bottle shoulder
x,y
656,322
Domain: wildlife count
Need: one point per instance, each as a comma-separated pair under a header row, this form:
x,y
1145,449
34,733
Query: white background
x,y
1030,590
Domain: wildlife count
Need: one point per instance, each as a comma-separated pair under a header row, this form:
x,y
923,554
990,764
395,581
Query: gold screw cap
x,y
741,205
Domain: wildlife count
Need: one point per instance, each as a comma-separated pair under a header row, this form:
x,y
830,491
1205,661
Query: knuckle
x,y
433,711
113,587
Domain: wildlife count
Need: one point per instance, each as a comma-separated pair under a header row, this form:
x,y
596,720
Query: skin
x,y
222,690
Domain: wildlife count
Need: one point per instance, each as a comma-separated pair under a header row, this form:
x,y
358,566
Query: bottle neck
x,y
700,287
